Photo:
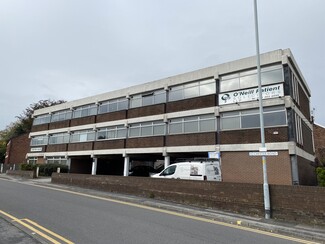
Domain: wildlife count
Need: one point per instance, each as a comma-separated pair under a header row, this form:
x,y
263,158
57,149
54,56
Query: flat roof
x,y
277,56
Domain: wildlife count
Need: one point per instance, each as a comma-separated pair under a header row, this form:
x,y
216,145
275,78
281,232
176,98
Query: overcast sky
x,y
71,49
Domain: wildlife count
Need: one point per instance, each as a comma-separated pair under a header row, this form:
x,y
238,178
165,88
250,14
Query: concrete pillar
x,y
37,172
167,161
69,164
294,169
94,166
126,165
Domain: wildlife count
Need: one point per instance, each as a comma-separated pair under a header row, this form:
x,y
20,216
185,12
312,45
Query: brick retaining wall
x,y
295,203
21,173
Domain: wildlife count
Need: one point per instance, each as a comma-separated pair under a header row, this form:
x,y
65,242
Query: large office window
x,y
42,119
113,105
57,160
153,128
59,138
193,89
32,160
84,111
61,115
273,116
112,132
269,75
298,125
192,124
149,98
295,90
82,136
39,140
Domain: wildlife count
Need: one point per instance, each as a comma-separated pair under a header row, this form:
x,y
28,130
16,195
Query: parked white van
x,y
192,170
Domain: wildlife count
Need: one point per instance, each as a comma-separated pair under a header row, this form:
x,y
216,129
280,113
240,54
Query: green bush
x,y
45,169
321,176
27,167
48,169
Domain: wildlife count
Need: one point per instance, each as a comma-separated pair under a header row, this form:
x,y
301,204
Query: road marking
x,y
21,222
262,232
48,231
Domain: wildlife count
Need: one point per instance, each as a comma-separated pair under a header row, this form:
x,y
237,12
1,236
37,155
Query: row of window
x,y
49,160
193,89
192,124
241,80
273,116
246,79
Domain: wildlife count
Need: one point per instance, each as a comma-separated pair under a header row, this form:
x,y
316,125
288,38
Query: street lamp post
x,y
265,181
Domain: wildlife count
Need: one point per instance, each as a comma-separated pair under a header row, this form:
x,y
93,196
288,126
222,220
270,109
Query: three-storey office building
x,y
196,114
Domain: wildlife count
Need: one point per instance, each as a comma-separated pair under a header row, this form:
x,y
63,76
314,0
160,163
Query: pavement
x,y
12,234
308,232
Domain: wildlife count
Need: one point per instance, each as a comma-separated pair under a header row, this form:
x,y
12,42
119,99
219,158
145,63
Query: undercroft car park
x,y
207,116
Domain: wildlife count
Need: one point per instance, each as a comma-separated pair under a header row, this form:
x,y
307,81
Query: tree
x,y
23,124
26,118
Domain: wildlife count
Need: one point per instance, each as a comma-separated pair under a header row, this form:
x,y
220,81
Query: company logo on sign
x,y
251,94
225,97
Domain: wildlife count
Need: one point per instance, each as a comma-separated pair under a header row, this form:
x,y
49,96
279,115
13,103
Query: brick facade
x,y
111,116
57,148
109,144
307,173
279,134
319,139
17,149
146,111
192,103
83,121
59,124
191,139
240,167
83,146
157,141
300,204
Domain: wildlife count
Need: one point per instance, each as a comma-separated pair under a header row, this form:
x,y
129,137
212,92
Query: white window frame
x,y
196,118
116,129
83,135
118,102
251,112
196,84
42,119
90,109
39,140
53,138
61,115
241,76
146,125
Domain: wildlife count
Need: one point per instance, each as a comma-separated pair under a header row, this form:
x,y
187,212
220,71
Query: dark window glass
x,y
250,121
277,118
169,171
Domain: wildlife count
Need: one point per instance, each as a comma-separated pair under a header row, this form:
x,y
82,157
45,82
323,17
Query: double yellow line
x,y
38,229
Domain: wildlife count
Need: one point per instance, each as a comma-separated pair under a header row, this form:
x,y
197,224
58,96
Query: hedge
x,y
321,176
45,169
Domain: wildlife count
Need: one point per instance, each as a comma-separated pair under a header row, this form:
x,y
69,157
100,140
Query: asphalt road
x,y
82,218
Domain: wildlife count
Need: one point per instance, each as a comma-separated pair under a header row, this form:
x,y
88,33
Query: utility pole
x,y
265,181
